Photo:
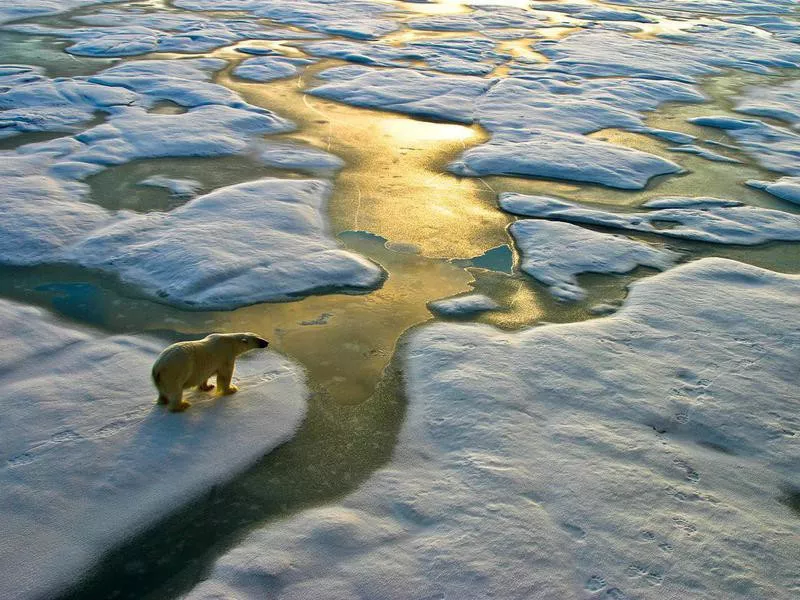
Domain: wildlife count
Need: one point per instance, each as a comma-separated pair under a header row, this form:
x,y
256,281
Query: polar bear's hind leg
x,y
205,386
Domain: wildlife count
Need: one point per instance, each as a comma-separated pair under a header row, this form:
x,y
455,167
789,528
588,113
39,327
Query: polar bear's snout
x,y
262,343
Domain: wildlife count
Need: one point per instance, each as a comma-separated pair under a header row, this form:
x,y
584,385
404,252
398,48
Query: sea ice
x,y
404,90
258,241
777,102
554,253
80,423
463,305
269,68
360,19
706,221
642,455
786,188
725,7
554,155
774,148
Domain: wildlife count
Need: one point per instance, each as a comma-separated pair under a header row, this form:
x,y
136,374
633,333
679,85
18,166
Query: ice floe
x,y
463,305
555,155
144,33
88,459
642,455
724,7
360,19
786,188
777,102
680,57
269,68
460,56
695,219
498,18
774,148
589,12
554,253
405,90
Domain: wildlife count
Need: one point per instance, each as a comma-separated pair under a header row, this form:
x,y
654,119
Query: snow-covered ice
x,y
554,253
774,148
723,7
703,50
786,188
462,306
446,97
642,455
555,155
677,217
269,68
460,56
88,458
253,242
360,19
778,102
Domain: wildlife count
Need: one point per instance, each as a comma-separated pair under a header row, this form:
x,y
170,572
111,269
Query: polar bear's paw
x,y
182,406
231,389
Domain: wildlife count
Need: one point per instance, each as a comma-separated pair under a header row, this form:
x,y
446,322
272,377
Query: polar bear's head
x,y
248,341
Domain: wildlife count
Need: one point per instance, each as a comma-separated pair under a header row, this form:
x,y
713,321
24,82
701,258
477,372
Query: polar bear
x,y
188,364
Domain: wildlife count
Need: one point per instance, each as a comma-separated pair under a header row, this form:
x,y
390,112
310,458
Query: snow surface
x,y
703,153
269,68
774,148
253,242
786,188
460,56
743,225
641,455
496,18
702,50
153,32
462,306
778,102
556,155
554,253
11,10
725,7
360,19
80,423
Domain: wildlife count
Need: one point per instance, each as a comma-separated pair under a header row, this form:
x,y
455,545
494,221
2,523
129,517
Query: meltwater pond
x,y
394,202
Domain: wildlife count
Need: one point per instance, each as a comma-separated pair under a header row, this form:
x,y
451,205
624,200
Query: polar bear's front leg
x,y
224,376
176,401
205,386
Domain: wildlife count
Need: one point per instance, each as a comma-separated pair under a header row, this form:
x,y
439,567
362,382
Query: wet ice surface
x,y
97,459
536,448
